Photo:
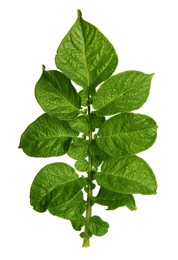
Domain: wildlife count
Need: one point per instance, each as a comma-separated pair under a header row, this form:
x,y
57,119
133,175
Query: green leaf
x,y
129,175
97,226
123,92
98,156
84,96
80,124
47,136
81,165
78,223
127,134
58,188
85,55
96,121
114,200
56,95
78,149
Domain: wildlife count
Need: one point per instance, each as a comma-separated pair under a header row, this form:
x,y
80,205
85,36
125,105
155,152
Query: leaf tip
x,y
79,14
43,68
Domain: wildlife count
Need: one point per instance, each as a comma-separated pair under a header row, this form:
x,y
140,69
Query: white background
x,y
145,36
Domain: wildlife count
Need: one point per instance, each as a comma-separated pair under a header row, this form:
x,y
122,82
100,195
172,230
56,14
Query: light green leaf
x,y
78,223
84,96
123,92
47,136
81,165
97,226
128,175
78,149
114,200
126,134
85,55
98,156
80,124
58,188
96,121
56,95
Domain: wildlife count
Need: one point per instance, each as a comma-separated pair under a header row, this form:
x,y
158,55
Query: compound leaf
x,y
57,188
47,136
85,55
128,175
123,92
57,96
126,134
114,200
97,226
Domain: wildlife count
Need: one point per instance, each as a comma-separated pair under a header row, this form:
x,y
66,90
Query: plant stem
x,y
86,240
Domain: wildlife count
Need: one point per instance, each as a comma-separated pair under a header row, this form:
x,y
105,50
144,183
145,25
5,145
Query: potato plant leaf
x,y
47,136
85,55
128,175
75,124
97,226
57,187
56,95
123,92
126,134
114,200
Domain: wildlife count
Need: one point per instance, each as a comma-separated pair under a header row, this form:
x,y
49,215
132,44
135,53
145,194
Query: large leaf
x,y
58,188
78,148
114,200
85,55
123,92
47,136
126,134
56,95
97,226
129,175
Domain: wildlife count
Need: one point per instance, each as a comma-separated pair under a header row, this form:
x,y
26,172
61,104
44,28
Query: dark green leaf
x,y
78,149
84,96
114,200
80,123
47,136
129,175
97,226
123,92
126,134
96,121
56,95
85,55
78,223
58,188
98,156
81,165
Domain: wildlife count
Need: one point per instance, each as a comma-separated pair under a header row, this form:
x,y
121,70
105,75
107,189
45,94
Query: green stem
x,y
86,240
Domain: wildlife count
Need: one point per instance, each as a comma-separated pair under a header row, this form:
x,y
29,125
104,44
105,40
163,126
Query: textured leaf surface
x,y
129,175
78,149
126,134
98,156
58,188
56,95
114,200
80,124
47,136
78,223
123,92
81,165
85,55
96,121
97,226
